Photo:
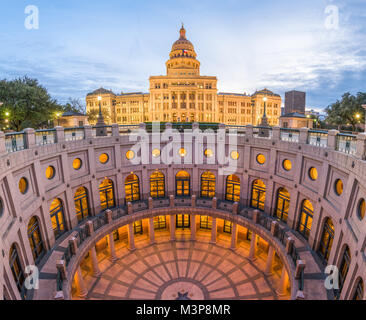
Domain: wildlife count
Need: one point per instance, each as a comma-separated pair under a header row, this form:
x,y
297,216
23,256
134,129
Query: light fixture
x,y
99,98
265,99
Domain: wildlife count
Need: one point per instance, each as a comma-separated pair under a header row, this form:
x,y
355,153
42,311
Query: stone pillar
x,y
94,259
112,248
214,203
274,228
253,244
88,131
214,230
60,134
303,138
115,130
61,266
80,283
249,131
290,242
2,143
74,245
30,137
151,230
193,201
193,227
129,208
235,207
234,236
300,266
361,146
256,216
131,237
332,139
172,227
276,133
283,283
171,201
269,263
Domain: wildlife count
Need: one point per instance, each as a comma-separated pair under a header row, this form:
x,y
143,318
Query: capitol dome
x,y
183,47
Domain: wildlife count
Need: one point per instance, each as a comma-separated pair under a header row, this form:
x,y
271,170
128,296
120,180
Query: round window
x,y
103,158
130,155
361,210
208,153
182,152
77,163
313,173
261,159
23,185
287,165
338,187
234,155
156,153
50,172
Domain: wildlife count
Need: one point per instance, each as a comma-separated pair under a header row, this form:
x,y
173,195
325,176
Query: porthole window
x,y
156,153
287,165
50,172
182,152
261,159
313,173
103,158
130,155
1,208
234,155
338,187
208,153
76,164
23,185
361,210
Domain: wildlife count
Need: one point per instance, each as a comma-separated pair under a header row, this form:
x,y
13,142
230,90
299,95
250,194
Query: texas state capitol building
x,y
183,95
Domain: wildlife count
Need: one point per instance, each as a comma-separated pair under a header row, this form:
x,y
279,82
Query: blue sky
x,y
282,45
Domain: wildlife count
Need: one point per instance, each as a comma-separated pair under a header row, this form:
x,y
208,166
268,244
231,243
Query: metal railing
x,y
346,143
73,134
289,135
15,141
318,138
44,137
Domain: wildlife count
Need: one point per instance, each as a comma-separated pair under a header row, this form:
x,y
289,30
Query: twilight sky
x,y
282,45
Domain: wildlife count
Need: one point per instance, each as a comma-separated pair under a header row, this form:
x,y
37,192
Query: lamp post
x,y
264,123
101,126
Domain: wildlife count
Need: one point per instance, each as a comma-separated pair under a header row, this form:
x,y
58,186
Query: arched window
x,y
35,239
57,217
327,239
183,184
183,221
343,269
106,194
16,267
358,295
306,218
81,203
132,188
258,195
208,185
232,188
157,185
283,204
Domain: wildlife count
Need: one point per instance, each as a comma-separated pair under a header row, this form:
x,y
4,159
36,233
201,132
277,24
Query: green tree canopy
x,y
25,103
347,111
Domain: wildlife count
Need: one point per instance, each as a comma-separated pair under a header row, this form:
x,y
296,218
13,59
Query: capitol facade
x,y
183,95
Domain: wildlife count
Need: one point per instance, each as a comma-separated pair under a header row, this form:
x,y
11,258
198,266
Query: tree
x,y
93,115
348,111
26,104
74,105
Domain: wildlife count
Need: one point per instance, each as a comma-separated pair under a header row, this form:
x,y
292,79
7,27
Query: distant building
x,y
295,102
296,120
72,119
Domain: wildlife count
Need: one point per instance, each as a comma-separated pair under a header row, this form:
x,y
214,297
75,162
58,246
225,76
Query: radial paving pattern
x,y
181,270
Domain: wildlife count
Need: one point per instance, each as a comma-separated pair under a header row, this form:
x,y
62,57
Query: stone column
x,y
283,283
80,283
94,259
30,137
253,244
172,227
88,131
214,231
361,146
131,237
151,230
193,227
115,130
303,137
60,134
276,133
2,143
112,248
332,139
234,236
269,263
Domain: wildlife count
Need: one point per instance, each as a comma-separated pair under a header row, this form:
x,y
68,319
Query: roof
x,y
266,92
233,94
293,115
100,91
73,114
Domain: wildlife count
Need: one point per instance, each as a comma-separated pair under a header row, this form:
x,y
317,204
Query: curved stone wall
x,y
332,165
